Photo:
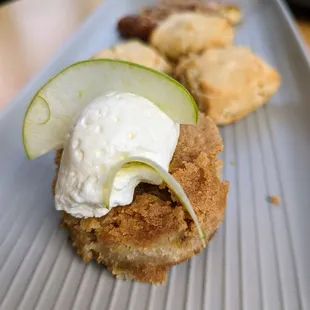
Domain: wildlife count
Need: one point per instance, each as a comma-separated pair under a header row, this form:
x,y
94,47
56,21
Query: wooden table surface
x,y
32,30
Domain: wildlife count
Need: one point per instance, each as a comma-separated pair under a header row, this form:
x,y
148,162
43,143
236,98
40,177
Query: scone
x,y
142,25
228,83
137,52
229,11
140,241
185,33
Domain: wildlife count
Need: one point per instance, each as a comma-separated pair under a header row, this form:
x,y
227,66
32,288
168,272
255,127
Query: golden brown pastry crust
x,y
189,32
137,52
142,240
228,83
141,26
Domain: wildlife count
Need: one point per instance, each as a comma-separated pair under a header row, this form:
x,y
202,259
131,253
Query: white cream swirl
x,y
112,127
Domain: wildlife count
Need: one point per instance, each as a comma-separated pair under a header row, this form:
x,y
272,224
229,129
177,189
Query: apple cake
x,y
142,240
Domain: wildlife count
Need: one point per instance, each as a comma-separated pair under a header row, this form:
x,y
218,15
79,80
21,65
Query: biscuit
x,y
185,33
228,83
142,240
142,25
137,52
229,11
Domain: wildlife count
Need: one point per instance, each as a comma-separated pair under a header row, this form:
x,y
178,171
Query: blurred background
x,y
31,31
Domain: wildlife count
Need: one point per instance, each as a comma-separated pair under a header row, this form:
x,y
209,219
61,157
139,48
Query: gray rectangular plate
x,y
260,257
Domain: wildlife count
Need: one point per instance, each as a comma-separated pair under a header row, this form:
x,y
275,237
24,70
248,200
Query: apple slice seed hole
x,y
40,112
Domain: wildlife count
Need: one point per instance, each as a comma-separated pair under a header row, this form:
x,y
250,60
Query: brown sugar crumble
x,y
275,200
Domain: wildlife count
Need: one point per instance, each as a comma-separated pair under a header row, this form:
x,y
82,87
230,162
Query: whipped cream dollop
x,y
112,127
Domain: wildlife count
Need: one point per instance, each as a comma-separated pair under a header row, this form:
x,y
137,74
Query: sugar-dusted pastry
x,y
185,33
228,83
137,52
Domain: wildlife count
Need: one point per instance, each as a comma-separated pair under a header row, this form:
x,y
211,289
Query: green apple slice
x,y
166,176
55,107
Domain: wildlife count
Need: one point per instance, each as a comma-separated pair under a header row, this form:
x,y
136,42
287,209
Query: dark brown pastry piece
x,y
136,26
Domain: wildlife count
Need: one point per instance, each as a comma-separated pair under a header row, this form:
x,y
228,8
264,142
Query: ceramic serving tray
x,y
260,257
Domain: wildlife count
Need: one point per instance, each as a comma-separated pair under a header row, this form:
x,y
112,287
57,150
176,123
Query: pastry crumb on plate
x,y
275,200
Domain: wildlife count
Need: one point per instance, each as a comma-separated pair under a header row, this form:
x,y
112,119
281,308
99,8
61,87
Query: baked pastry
x,y
141,25
228,83
138,180
229,11
185,33
136,52
140,241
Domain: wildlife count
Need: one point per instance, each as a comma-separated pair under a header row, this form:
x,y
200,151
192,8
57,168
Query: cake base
x,y
140,241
